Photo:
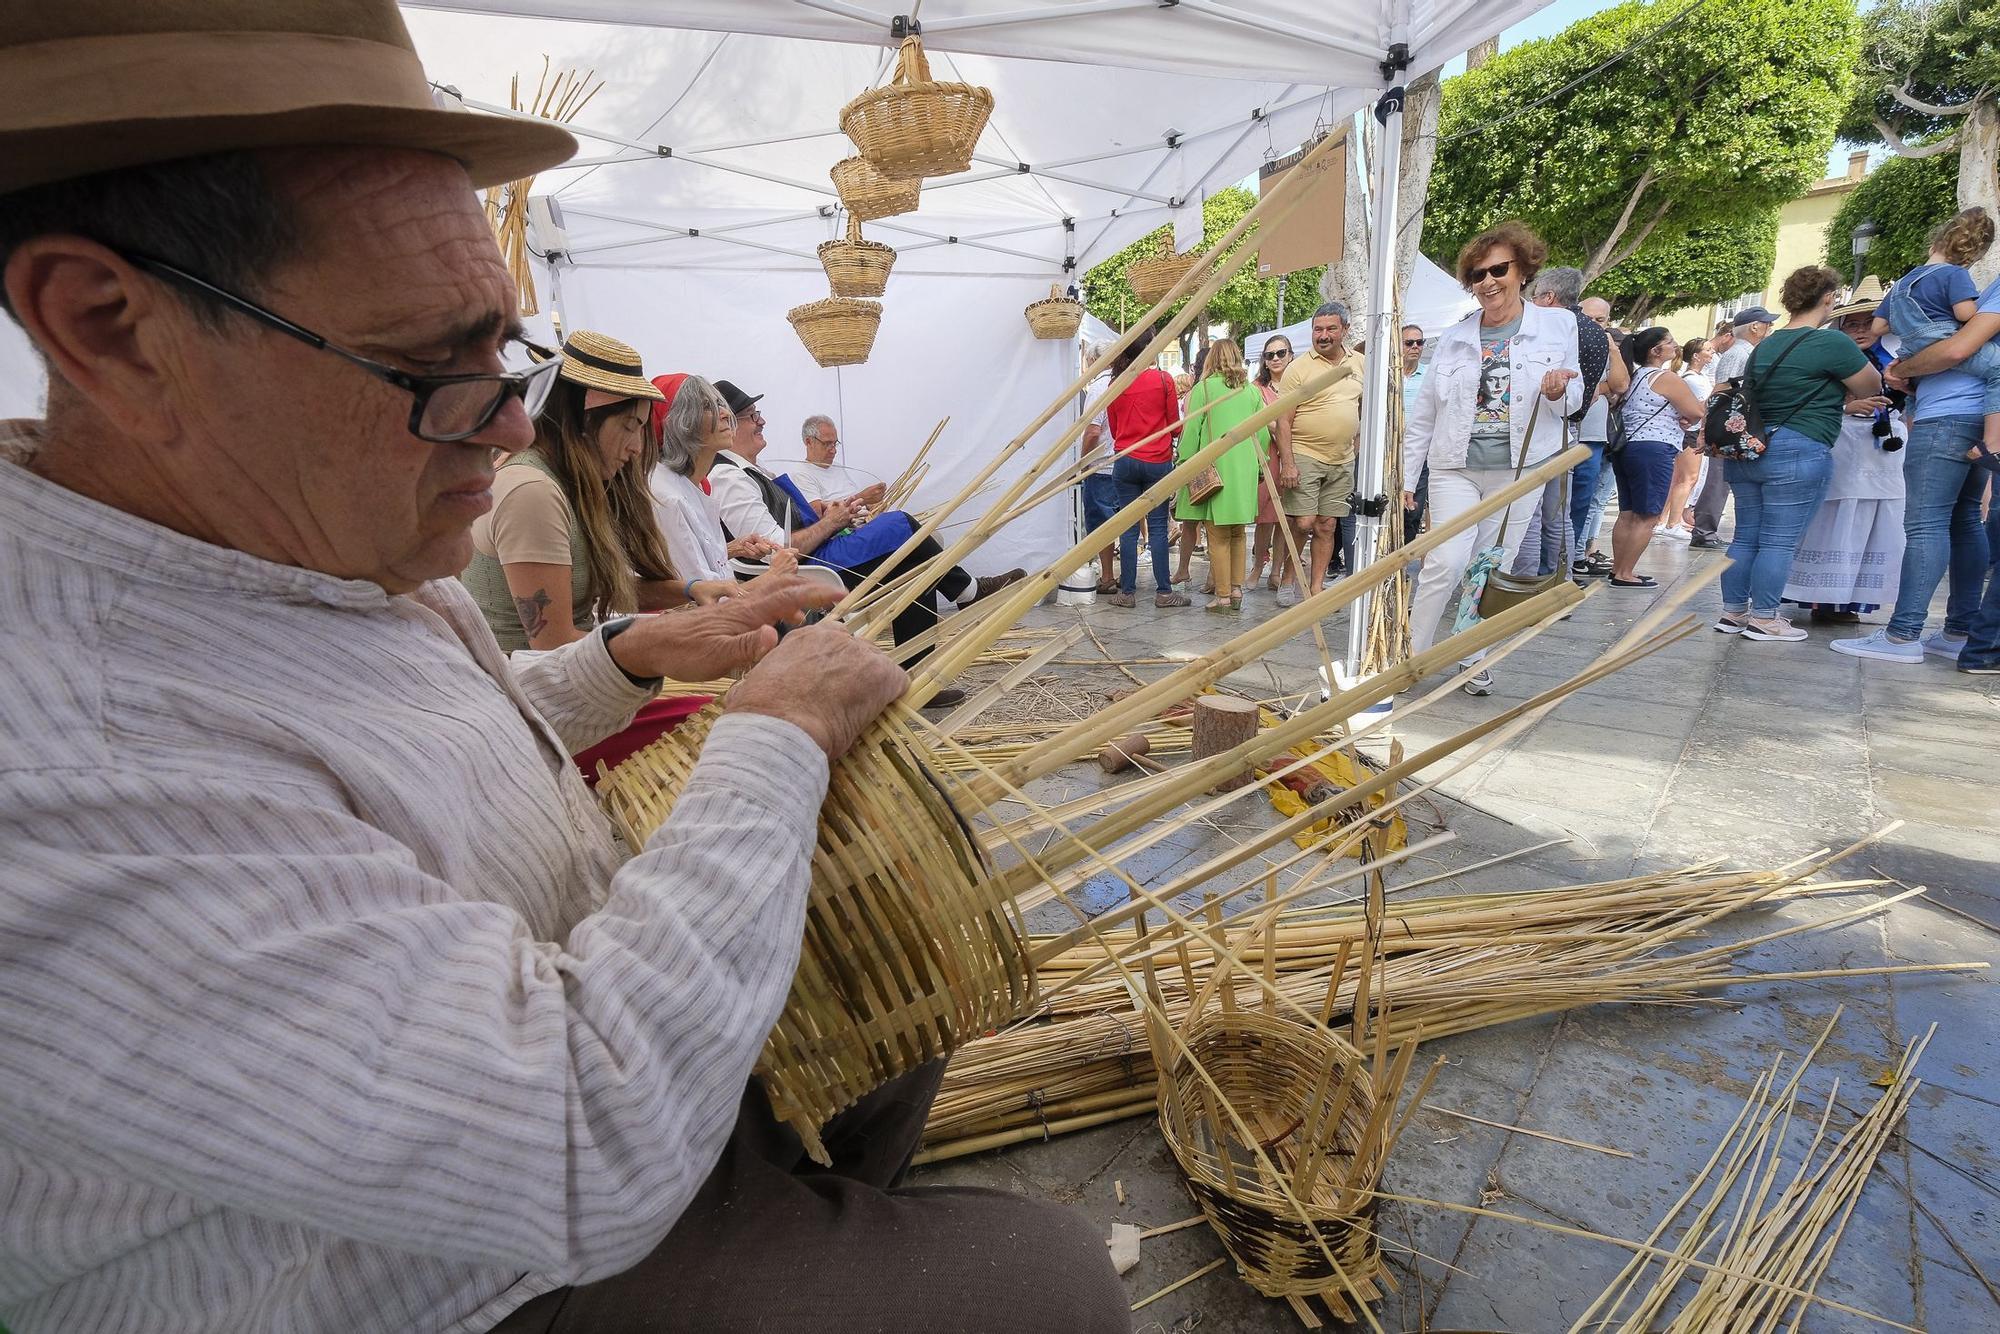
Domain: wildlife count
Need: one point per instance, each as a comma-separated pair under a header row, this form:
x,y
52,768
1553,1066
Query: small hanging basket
x,y
1055,316
839,330
1153,277
914,126
868,194
856,267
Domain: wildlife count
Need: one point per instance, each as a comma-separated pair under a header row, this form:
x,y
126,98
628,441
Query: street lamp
x,y
1864,238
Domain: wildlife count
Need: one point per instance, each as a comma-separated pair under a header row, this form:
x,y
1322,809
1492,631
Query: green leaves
x,y
1943,53
1245,302
1905,197
1729,110
1712,261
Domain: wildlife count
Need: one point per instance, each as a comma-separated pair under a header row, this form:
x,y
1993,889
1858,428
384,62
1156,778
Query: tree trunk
x,y
1606,253
1347,280
1482,53
1640,310
1979,174
1220,723
1420,123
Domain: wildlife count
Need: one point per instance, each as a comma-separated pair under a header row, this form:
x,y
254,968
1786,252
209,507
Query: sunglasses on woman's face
x,y
1278,354
1496,270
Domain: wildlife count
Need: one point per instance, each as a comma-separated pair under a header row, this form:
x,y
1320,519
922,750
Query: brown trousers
x,y
774,1242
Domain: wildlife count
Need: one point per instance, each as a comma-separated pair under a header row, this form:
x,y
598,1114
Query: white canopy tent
x,y
1433,301
690,217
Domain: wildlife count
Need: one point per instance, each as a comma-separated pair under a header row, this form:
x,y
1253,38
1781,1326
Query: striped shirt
x,y
325,1002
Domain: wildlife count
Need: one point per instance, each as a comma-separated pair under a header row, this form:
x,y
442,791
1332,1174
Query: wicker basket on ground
x,y
915,126
854,266
1153,277
837,330
1055,315
910,948
1309,1099
868,194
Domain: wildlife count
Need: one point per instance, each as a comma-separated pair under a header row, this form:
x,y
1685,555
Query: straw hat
x,y
1865,297
597,362
94,85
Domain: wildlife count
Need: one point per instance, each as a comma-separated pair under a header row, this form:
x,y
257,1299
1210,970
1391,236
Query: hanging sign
x,y
1313,232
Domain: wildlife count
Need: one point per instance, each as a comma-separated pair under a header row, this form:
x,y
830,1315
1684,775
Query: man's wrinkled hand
x,y
868,497
824,681
710,642
753,547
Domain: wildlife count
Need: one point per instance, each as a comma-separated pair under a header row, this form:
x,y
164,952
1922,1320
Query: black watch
x,y
610,630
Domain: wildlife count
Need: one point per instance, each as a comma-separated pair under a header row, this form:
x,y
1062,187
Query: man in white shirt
x,y
328,1000
822,477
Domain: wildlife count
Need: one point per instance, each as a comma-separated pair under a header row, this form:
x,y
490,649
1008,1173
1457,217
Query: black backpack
x,y
1734,426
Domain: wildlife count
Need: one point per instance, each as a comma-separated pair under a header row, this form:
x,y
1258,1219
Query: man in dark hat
x,y
328,1000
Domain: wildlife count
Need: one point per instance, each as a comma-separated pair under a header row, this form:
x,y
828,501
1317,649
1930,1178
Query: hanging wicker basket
x,y
915,126
837,330
911,947
1270,1068
1153,277
868,194
856,267
1055,315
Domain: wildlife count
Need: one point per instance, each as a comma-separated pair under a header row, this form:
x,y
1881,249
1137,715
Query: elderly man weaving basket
x,y
326,1002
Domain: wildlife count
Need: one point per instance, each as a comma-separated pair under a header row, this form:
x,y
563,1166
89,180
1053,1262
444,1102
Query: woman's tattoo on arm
x,y
533,612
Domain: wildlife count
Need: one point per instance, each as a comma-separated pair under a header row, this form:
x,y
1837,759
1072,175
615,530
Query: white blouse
x,y
691,525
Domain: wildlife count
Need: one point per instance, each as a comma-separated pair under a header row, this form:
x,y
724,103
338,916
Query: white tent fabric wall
x,y
22,384
1434,302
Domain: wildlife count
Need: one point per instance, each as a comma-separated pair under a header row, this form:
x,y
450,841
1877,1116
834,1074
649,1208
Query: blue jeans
x,y
1100,500
1982,635
1583,487
1133,477
1776,495
1941,525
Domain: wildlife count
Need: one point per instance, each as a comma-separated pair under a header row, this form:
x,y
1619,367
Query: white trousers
x,y
1453,492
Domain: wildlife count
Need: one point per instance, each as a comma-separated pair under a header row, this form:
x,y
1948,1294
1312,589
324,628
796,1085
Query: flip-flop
x,y
1643,581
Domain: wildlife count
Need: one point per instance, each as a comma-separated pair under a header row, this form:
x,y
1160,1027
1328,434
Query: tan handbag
x,y
1205,484
1503,590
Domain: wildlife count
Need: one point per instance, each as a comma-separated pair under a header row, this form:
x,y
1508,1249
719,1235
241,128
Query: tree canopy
x,y
1712,261
1245,303
1905,197
1704,118
1923,64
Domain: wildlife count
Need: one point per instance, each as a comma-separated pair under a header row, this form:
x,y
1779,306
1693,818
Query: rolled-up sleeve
x,y
406,1063
579,689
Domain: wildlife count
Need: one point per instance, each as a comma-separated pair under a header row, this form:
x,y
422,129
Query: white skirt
x,y
1852,552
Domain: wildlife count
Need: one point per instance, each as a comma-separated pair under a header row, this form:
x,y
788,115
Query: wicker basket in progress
x,y
1153,277
837,330
854,266
1055,315
868,194
1308,1097
909,947
915,126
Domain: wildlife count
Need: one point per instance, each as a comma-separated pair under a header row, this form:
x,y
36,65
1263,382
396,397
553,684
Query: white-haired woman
x,y
1502,367
691,425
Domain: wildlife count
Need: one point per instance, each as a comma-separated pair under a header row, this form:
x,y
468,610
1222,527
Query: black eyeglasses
x,y
1413,342
448,408
1497,270
1277,353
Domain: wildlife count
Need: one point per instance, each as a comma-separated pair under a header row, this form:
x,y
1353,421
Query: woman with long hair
x,y
1220,401
1658,409
1144,420
1690,465
569,541
1272,359
1509,367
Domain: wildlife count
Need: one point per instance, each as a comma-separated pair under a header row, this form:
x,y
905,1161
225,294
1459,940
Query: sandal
x,y
1170,599
1236,600
1643,581
1108,586
1217,604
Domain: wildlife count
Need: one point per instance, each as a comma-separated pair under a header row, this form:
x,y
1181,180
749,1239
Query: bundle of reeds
x,y
558,100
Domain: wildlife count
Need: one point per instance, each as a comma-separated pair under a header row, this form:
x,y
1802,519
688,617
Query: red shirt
x,y
1147,404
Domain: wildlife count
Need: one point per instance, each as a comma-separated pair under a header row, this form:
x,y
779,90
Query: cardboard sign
x,y
1315,231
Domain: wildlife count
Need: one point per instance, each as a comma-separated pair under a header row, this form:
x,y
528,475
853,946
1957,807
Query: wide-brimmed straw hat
x,y
1867,295
95,85
597,362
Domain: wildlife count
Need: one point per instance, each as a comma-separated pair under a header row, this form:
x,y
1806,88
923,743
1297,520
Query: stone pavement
x,y
1717,747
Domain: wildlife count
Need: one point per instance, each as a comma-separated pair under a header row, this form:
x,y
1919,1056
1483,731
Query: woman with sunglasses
x,y
571,536
1506,367
1270,543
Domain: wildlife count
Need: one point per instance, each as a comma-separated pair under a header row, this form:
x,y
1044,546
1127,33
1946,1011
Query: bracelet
x,y
687,590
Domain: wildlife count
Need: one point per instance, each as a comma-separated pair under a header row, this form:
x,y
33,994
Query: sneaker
x,y
1289,595
1170,599
1880,646
1731,622
1775,628
1673,532
1984,667
1121,600
1940,645
1479,683
1698,543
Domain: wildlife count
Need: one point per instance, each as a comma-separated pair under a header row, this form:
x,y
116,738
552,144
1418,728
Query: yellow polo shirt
x,y
1327,424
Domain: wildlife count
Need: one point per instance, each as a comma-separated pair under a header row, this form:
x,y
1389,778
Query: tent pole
x,y
1383,347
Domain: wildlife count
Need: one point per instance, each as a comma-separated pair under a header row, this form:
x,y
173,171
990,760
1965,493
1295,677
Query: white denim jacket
x,y
1439,430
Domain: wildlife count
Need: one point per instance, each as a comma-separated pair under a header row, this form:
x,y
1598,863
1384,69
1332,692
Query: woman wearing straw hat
x,y
1850,559
571,536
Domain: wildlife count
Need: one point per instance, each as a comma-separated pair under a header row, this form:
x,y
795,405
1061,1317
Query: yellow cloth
x,y
1325,426
1343,773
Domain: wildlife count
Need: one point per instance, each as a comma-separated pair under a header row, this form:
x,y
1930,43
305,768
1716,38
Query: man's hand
x,y
708,642
1555,382
868,497
754,547
1288,472
784,560
823,680
838,512
1410,501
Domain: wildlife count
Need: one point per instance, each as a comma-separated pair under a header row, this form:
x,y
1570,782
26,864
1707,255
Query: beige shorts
x,y
1323,491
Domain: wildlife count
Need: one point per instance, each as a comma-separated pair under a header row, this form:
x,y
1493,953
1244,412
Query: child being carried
x,y
1930,303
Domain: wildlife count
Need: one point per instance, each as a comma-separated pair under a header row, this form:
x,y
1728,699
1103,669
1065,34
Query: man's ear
x,y
102,326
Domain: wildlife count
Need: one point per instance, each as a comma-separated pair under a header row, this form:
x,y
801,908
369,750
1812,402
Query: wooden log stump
x,y
1220,723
